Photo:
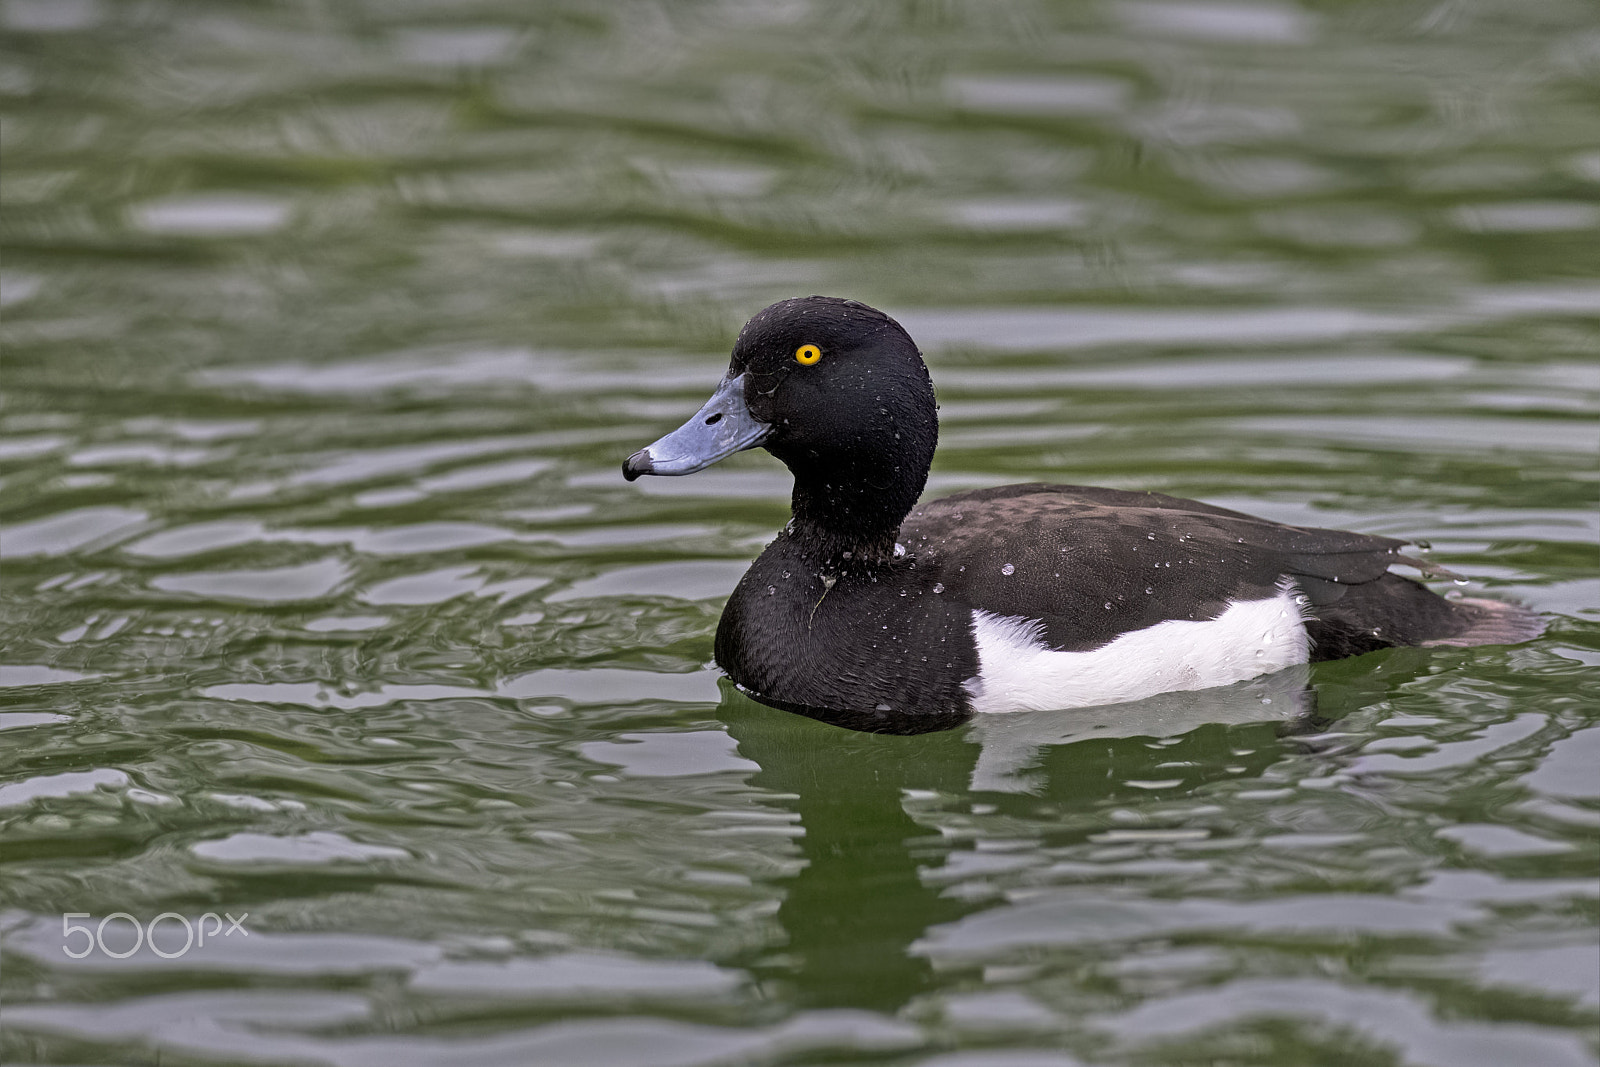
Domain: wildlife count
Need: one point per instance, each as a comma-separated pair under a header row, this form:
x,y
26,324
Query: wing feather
x,y
1093,563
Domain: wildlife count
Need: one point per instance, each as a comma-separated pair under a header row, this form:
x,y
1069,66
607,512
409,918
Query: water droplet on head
x,y
1149,537
1108,605
1009,568
772,590
938,587
1149,589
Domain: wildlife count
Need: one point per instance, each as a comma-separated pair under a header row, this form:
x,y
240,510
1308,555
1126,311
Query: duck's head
x,y
836,390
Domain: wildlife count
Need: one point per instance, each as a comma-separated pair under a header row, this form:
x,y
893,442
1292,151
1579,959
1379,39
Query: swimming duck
x,y
872,610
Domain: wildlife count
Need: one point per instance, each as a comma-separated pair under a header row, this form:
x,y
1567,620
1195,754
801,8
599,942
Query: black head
x,y
836,390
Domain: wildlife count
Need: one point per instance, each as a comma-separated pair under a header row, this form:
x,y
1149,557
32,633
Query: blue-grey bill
x,y
718,430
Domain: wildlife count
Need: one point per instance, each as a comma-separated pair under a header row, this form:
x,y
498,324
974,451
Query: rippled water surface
x,y
327,325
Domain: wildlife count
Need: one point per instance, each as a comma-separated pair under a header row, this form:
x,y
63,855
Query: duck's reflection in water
x,y
869,888
1015,748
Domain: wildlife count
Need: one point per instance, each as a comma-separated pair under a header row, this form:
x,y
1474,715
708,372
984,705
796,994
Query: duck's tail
x,y
1398,611
1490,622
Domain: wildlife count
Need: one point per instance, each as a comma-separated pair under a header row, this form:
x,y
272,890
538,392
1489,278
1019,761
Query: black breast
x,y
872,646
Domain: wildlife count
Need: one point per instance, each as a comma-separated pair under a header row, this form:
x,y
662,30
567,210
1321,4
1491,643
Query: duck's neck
x,y
839,520
832,550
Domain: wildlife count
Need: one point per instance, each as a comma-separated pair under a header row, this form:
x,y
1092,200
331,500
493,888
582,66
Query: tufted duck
x,y
875,612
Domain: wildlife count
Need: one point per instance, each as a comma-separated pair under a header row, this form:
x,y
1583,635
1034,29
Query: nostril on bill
x,y
713,420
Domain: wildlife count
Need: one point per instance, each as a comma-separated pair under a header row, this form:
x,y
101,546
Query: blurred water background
x,y
326,327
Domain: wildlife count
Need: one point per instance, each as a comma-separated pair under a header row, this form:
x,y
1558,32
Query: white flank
x,y
1017,671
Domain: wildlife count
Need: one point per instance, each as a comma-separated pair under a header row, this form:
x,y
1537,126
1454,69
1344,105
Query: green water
x,y
327,326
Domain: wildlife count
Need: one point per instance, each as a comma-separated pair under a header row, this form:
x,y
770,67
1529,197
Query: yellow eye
x,y
807,354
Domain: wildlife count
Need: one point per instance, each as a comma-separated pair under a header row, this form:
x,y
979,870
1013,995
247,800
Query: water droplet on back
x,y
1009,568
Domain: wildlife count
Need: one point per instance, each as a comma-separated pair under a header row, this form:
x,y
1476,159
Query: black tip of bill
x,y
637,464
720,428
